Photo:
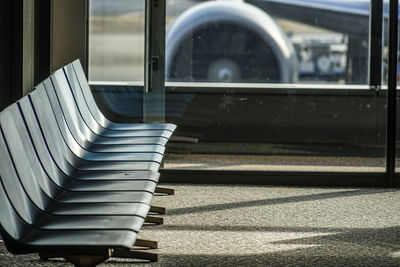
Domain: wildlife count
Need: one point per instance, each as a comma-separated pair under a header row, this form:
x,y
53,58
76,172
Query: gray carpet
x,y
268,226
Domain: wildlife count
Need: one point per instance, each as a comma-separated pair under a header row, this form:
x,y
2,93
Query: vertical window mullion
x,y
154,82
375,42
391,96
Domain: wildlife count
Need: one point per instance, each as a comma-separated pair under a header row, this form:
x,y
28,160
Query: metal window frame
x,y
392,93
154,61
283,178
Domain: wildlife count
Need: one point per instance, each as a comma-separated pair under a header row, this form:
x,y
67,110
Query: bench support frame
x,y
93,258
154,219
165,190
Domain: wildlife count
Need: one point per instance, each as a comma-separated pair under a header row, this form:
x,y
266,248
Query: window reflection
x,y
295,92
116,40
270,42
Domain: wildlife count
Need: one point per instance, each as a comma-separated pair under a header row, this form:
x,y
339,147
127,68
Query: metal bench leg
x,y
146,243
80,259
158,210
92,259
165,190
141,255
86,260
46,256
154,219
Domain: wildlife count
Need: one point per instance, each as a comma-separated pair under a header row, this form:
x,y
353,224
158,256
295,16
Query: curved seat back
x,y
57,148
20,189
60,140
87,93
85,100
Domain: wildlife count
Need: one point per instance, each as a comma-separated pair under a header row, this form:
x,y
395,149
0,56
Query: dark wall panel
x,y
69,29
10,51
42,40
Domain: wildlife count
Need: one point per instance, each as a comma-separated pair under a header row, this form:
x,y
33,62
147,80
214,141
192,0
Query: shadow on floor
x,y
276,201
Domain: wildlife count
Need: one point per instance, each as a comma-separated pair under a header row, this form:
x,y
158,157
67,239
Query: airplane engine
x,y
228,41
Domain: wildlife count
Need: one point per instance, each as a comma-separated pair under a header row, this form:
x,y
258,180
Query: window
x,y
257,85
269,42
116,40
240,109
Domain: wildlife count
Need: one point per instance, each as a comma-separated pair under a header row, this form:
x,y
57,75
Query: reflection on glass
x,y
269,42
328,121
116,40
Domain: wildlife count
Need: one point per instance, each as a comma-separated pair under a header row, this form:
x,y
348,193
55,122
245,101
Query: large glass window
x,y
269,42
116,40
246,114
253,85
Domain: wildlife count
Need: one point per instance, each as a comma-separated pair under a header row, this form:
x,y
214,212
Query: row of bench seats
x,y
74,184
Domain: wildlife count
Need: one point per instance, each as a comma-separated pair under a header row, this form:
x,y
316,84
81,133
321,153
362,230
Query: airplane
x,y
242,41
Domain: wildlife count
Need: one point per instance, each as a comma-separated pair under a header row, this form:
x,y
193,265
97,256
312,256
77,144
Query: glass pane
x,y
268,41
323,117
116,40
264,85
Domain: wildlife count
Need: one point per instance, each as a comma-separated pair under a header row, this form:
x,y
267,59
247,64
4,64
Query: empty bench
x,y
71,187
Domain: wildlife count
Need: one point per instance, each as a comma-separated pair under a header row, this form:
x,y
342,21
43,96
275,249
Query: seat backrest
x,y
24,156
19,180
85,100
54,168
60,153
10,228
17,202
48,121
17,212
80,145
59,138
66,111
66,114
79,75
79,98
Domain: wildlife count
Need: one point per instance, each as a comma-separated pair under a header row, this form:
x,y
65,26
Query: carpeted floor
x,y
268,226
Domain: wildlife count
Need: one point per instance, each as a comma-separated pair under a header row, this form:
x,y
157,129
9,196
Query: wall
x,y
68,28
